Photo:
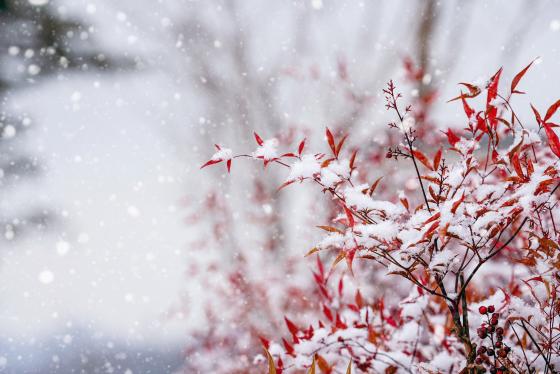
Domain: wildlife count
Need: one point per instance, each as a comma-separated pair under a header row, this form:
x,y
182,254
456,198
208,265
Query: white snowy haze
x,y
101,284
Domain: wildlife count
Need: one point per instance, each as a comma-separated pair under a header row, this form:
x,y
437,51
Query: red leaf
x,y
353,159
517,165
491,109
451,137
291,326
289,348
457,203
537,115
468,110
330,140
423,159
228,163
374,186
518,77
301,146
553,141
327,313
349,215
211,162
340,144
551,110
265,342
480,123
285,184
258,139
437,159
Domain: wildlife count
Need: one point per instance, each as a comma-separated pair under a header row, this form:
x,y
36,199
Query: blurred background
x,y
118,254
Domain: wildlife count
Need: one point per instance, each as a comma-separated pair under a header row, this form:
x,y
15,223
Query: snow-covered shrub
x,y
463,263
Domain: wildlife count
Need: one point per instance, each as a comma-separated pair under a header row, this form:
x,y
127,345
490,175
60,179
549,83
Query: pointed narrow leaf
x,y
340,144
520,75
466,107
330,140
423,159
349,215
553,141
258,139
451,137
301,146
285,184
437,159
537,115
271,366
312,368
353,159
228,163
211,162
349,369
374,186
551,110
291,326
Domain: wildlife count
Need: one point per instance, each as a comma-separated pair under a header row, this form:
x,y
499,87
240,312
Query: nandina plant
x,y
475,239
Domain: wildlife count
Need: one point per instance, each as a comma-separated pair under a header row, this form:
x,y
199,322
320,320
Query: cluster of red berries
x,y
498,350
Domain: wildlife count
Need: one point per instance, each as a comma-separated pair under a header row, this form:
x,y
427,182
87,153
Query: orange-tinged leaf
x,y
323,364
311,251
437,159
312,368
341,256
520,75
457,203
271,366
423,159
551,110
374,186
331,229
432,218
349,368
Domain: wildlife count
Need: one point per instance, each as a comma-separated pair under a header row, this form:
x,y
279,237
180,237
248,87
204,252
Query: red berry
x,y
500,331
502,353
494,322
483,310
490,352
498,344
496,315
491,308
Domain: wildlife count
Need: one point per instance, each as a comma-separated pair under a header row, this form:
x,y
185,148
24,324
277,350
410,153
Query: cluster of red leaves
x,y
481,206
